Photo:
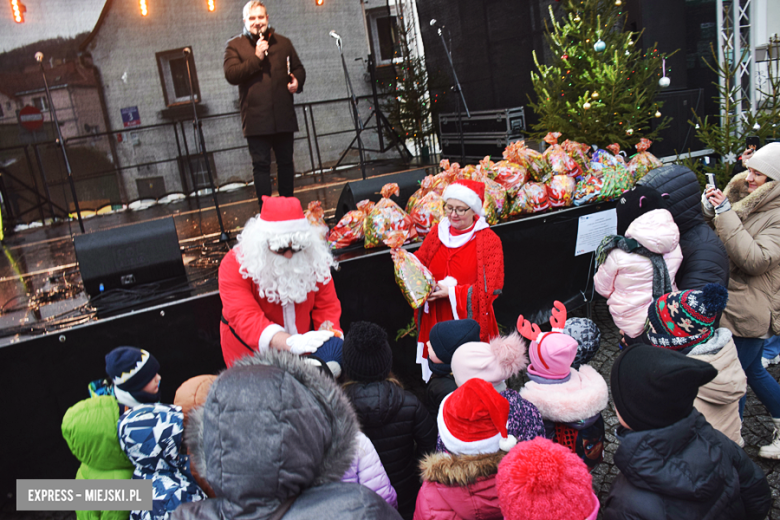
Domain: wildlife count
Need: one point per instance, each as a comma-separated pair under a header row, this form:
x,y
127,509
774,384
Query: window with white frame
x,y
172,66
385,36
41,103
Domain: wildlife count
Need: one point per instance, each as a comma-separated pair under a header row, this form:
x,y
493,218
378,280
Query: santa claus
x,y
276,284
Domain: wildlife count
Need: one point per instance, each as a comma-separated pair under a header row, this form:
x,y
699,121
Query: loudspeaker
x,y
354,192
130,255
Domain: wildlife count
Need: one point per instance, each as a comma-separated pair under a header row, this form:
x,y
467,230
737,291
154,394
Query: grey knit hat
x,y
766,160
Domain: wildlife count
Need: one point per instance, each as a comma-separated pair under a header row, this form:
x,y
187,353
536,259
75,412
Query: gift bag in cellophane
x,y
511,176
489,207
387,216
560,191
532,198
559,161
643,161
350,228
617,179
580,152
601,159
425,186
413,278
468,172
534,162
316,217
486,168
426,212
445,177
588,190
499,195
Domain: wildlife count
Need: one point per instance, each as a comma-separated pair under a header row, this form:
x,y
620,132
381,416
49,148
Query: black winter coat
x,y
686,471
438,388
704,257
401,430
266,104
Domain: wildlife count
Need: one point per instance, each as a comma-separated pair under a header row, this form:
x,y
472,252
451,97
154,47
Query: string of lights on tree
x,y
599,87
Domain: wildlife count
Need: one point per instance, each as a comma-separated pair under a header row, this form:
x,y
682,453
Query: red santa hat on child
x,y
470,192
472,420
282,215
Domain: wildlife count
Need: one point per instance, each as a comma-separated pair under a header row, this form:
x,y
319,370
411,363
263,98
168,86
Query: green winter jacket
x,y
89,428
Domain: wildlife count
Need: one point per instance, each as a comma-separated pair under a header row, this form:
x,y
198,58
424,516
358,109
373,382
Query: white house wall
x,y
124,50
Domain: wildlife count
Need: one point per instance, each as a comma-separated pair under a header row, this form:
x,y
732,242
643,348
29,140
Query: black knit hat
x,y
366,355
447,336
654,388
636,202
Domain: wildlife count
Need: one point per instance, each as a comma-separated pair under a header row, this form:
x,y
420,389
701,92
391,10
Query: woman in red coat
x,y
467,261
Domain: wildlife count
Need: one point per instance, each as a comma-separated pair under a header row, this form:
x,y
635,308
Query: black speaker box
x,y
131,255
354,192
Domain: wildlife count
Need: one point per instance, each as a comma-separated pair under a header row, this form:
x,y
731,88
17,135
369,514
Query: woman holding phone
x,y
746,217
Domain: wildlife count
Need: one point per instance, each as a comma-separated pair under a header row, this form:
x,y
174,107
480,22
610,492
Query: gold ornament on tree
x,y
595,95
657,113
586,105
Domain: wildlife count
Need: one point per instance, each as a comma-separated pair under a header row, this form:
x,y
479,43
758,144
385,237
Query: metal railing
x,y
163,159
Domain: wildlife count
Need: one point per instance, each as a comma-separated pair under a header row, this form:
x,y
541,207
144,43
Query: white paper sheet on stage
x,y
592,229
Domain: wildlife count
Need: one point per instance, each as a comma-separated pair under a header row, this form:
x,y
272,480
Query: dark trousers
x,y
260,150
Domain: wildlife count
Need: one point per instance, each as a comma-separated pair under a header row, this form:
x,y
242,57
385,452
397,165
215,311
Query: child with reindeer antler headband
x,y
569,400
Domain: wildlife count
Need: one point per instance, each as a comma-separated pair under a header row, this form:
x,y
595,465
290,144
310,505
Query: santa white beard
x,y
283,280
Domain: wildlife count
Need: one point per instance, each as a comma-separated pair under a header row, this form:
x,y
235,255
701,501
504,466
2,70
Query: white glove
x,y
309,342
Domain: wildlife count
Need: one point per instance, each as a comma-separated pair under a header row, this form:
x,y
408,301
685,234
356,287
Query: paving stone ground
x,y
756,426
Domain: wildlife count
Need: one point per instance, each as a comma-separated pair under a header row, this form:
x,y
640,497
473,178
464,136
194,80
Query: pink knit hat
x,y
551,353
542,480
494,362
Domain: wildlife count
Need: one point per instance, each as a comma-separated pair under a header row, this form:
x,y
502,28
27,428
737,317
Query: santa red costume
x,y
469,263
277,280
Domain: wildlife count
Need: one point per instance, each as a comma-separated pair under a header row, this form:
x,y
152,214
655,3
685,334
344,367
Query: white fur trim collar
x,y
460,240
579,398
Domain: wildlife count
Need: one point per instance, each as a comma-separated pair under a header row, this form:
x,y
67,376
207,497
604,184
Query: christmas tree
x,y
408,107
599,87
726,134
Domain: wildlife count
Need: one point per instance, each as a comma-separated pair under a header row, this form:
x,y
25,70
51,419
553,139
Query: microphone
x,y
187,51
334,35
39,57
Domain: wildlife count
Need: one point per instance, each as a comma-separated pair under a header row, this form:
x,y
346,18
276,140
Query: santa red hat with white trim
x,y
470,192
282,215
472,420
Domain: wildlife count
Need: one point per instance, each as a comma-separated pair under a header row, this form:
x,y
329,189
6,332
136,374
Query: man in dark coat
x,y
267,70
704,256
673,464
276,433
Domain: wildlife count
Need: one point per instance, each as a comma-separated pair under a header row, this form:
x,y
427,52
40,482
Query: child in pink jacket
x,y
462,483
627,275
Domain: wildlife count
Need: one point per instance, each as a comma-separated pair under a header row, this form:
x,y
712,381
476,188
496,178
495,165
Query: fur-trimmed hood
x,y
459,470
744,203
272,427
581,397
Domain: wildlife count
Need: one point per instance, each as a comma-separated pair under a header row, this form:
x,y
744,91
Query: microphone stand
x,y
354,109
201,142
60,141
457,88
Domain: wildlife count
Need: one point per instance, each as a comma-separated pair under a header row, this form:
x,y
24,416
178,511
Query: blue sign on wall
x,y
130,117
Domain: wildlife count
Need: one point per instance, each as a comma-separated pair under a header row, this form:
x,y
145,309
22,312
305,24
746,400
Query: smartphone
x,y
711,180
752,142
